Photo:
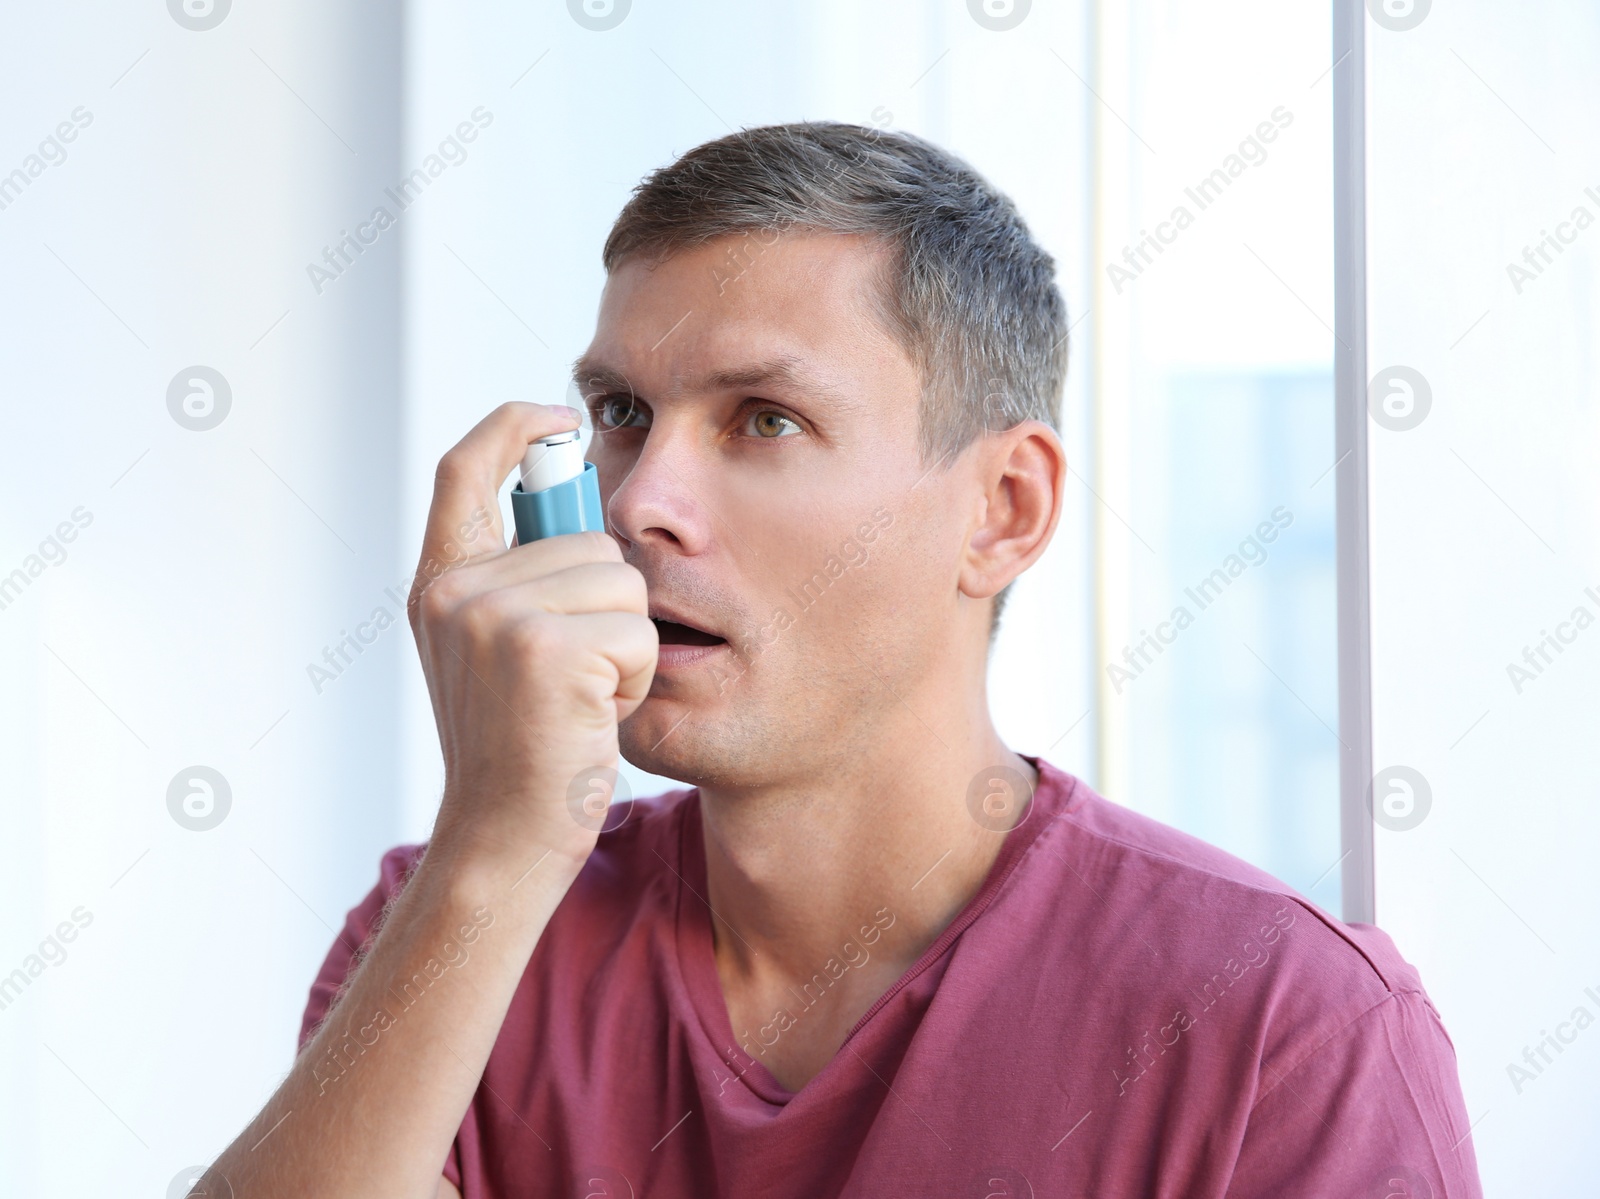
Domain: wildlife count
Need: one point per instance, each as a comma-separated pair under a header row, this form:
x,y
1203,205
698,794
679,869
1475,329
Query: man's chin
x,y
660,737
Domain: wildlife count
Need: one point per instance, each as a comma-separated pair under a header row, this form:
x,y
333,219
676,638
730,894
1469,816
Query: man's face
x,y
756,441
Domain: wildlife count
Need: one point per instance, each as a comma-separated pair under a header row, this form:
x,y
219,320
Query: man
x,y
872,951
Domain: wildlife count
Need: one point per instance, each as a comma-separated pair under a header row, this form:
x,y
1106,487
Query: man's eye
x,y
618,412
769,424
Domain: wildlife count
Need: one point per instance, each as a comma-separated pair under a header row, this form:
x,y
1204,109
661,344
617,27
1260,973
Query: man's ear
x,y
1023,472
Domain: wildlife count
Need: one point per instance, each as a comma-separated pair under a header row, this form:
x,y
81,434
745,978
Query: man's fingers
x,y
464,518
590,587
631,645
527,565
583,588
539,558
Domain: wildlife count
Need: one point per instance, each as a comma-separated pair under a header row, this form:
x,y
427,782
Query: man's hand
x,y
532,656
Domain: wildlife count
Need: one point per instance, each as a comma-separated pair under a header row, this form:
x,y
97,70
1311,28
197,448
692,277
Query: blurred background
x,y
263,265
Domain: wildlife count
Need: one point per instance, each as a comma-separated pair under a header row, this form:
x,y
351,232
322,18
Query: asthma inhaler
x,y
558,492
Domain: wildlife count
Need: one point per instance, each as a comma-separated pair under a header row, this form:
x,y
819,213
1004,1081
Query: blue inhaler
x,y
558,492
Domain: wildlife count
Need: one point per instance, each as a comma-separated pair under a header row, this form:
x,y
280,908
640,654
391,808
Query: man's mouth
x,y
672,632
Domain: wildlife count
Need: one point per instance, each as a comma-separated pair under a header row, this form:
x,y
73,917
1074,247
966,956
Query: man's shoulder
x,y
1309,1042
1203,910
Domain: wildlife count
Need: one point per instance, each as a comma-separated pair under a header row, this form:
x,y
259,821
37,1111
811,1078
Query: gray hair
x,y
968,292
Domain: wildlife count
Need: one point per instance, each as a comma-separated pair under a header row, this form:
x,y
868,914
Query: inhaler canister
x,y
558,491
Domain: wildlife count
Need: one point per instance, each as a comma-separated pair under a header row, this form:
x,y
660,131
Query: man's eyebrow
x,y
595,379
774,373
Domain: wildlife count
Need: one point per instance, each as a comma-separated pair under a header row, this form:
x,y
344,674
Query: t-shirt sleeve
x,y
1374,1111
361,926
350,945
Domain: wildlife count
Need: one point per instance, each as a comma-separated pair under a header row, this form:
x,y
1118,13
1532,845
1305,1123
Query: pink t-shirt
x,y
1120,1010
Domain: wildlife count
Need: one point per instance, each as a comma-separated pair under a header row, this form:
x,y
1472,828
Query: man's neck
x,y
800,876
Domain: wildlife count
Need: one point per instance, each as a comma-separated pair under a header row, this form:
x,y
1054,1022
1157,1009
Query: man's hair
x,y
967,292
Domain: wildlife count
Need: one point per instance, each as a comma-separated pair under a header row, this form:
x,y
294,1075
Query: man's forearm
x,y
373,1103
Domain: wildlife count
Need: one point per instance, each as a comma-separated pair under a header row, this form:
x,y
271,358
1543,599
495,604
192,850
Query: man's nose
x,y
660,499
